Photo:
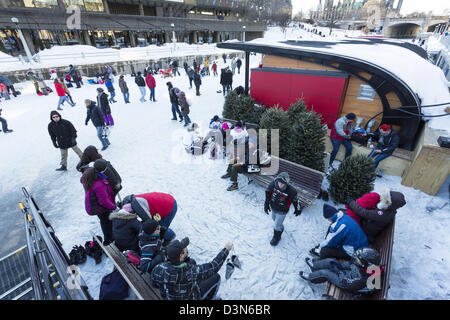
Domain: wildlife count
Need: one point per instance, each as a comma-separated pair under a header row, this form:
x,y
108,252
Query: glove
x,y
162,231
298,212
86,123
266,208
56,146
119,204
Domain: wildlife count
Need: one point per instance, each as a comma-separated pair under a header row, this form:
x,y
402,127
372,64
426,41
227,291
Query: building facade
x,y
124,23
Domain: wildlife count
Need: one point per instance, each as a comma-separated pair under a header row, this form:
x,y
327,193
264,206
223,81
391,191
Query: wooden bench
x,y
305,180
383,244
139,283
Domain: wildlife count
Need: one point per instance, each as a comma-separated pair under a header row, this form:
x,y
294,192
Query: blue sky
x,y
437,6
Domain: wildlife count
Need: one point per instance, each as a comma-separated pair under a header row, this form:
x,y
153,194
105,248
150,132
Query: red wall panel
x,y
321,93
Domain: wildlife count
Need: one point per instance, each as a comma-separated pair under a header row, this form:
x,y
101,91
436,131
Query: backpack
x,y
113,287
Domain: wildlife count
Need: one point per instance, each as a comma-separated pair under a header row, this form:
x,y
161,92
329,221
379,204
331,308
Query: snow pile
x,y
146,150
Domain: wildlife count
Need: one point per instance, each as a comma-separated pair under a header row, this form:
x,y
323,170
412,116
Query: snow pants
x,y
109,119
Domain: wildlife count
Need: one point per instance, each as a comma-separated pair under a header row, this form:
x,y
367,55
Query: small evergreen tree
x,y
354,178
241,108
276,118
306,140
296,110
230,106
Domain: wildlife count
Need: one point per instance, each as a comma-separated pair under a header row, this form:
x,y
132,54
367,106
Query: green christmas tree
x,y
230,106
354,178
296,110
276,118
306,140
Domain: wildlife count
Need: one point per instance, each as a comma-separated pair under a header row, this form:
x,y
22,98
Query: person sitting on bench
x,y
126,228
352,276
344,236
388,141
150,245
181,278
373,221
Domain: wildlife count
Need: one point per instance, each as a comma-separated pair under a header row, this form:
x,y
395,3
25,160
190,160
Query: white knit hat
x,y
385,198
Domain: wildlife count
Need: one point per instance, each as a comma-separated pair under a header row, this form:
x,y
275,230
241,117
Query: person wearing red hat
x,y
367,201
388,141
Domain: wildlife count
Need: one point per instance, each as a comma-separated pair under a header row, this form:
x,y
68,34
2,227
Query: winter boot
x,y
304,275
81,254
73,256
236,262
63,168
234,186
309,263
276,237
379,173
315,251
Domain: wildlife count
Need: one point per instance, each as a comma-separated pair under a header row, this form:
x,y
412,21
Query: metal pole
x,y
24,43
247,70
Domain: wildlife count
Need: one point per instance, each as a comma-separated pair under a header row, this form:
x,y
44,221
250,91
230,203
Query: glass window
x,y
366,92
45,3
79,3
94,5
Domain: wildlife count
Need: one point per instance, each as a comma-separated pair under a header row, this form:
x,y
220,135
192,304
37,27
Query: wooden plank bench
x,y
139,283
383,244
305,180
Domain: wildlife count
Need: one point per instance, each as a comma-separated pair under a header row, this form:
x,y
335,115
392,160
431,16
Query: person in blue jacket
x,y
111,89
344,236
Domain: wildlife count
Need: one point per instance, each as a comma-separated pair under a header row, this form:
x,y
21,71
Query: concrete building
x,y
125,23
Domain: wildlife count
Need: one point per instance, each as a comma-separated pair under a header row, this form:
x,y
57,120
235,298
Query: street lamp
x,y
173,36
24,43
243,38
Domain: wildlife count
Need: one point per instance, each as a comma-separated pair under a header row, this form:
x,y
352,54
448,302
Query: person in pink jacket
x,y
99,200
151,83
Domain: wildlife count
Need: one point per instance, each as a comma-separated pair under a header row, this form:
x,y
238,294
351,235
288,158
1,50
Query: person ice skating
x,y
375,219
125,230
207,66
174,101
341,134
180,278
95,114
109,72
35,80
150,245
109,85
139,80
53,75
63,83
4,123
279,197
224,56
159,206
226,80
190,73
388,141
233,65
9,85
194,65
63,135
102,102
197,81
184,107
61,94
214,69
4,91
73,73
351,276
345,236
124,88
99,200
175,68
151,83
192,141
239,64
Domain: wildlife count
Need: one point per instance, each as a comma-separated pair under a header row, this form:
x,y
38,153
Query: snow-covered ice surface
x,y
146,151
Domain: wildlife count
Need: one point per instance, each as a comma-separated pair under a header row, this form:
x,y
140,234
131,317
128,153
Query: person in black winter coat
x,y
113,177
150,245
73,73
190,73
197,81
226,80
126,228
103,103
279,196
63,135
388,141
95,114
174,101
239,64
175,68
140,81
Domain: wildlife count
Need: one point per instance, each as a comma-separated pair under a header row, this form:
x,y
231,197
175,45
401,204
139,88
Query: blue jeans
x,y
113,94
61,99
152,94
126,96
278,218
336,144
380,156
143,92
105,142
176,110
167,221
187,120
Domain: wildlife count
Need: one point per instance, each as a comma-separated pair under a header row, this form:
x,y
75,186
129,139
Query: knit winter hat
x,y
149,226
329,211
99,90
385,127
385,199
215,118
351,116
100,165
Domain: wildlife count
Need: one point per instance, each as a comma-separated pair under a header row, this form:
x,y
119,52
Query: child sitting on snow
x,y
192,141
150,245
